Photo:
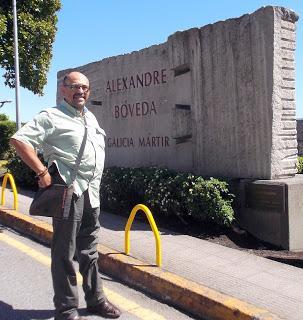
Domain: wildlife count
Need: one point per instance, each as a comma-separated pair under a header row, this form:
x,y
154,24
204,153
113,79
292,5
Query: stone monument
x,y
217,101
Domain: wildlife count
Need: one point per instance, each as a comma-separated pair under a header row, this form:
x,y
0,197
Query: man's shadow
x,y
7,312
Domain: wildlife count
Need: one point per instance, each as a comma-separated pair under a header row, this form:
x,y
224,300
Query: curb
x,y
187,295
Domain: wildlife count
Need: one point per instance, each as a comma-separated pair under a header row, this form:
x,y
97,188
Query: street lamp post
x,y
16,52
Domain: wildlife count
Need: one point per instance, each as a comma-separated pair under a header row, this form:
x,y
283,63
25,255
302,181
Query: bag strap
x,y
80,154
70,190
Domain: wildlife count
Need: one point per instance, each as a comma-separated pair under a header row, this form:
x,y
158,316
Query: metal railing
x,y
9,177
154,229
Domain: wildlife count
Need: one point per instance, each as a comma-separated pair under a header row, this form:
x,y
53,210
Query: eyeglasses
x,y
75,87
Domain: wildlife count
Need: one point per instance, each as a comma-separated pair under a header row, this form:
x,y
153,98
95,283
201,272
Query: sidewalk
x,y
206,279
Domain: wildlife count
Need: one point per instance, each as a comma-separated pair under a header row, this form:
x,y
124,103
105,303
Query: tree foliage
x,y
37,21
3,117
7,129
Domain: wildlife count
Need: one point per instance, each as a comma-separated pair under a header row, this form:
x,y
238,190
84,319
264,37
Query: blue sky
x,y
95,29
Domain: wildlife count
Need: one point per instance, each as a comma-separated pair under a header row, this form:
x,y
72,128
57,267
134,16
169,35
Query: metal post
x,y
16,52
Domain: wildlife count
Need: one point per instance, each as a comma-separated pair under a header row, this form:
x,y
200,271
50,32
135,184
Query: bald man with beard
x,y
59,132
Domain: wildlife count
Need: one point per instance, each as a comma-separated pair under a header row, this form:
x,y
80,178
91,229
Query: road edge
x,y
187,295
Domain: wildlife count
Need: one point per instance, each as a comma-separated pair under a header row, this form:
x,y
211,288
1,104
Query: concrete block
x,y
273,210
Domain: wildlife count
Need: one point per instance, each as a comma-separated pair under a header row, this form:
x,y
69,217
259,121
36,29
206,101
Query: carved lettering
x,y
163,75
124,83
147,79
119,83
137,109
108,88
156,75
124,142
113,86
143,142
131,83
138,80
151,141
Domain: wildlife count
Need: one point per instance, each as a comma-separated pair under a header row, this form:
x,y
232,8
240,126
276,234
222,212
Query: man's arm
x,y
29,156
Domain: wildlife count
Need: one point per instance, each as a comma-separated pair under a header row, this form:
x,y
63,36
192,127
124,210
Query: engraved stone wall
x,y
284,149
217,100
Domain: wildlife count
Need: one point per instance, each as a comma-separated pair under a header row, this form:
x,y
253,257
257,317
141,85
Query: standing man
x,y
59,131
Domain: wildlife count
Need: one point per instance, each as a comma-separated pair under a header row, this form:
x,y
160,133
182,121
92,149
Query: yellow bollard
x,y
12,183
153,226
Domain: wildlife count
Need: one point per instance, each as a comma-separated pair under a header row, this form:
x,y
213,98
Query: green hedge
x,y
7,129
23,175
300,164
166,192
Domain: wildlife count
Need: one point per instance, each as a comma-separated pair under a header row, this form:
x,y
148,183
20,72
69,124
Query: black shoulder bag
x,y
55,200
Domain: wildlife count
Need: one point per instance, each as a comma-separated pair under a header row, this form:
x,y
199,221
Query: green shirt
x,y
59,132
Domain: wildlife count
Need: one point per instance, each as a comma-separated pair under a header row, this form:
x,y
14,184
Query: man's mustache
x,y
79,95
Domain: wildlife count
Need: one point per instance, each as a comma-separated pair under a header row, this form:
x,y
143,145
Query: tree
x,y
3,117
37,21
7,129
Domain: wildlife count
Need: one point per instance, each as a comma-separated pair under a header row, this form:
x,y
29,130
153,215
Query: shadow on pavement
x,y
9,313
116,222
293,262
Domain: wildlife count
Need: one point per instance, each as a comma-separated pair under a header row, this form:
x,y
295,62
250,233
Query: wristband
x,y
41,173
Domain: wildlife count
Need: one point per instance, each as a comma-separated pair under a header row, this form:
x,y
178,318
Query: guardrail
x,y
154,229
9,177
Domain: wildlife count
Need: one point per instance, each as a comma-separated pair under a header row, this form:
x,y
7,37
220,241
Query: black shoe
x,y
105,309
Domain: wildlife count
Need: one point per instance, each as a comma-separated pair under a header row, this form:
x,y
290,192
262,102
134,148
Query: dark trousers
x,y
76,235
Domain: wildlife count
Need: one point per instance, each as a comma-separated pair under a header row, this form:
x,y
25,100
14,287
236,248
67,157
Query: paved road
x,y
26,291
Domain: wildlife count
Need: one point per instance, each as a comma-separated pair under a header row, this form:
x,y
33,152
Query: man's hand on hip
x,y
45,181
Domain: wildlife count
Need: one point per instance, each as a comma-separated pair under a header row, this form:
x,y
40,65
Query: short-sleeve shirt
x,y
59,132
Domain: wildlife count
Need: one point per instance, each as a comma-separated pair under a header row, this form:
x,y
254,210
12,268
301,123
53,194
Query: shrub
x,y
165,192
168,193
300,164
23,175
7,129
122,188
